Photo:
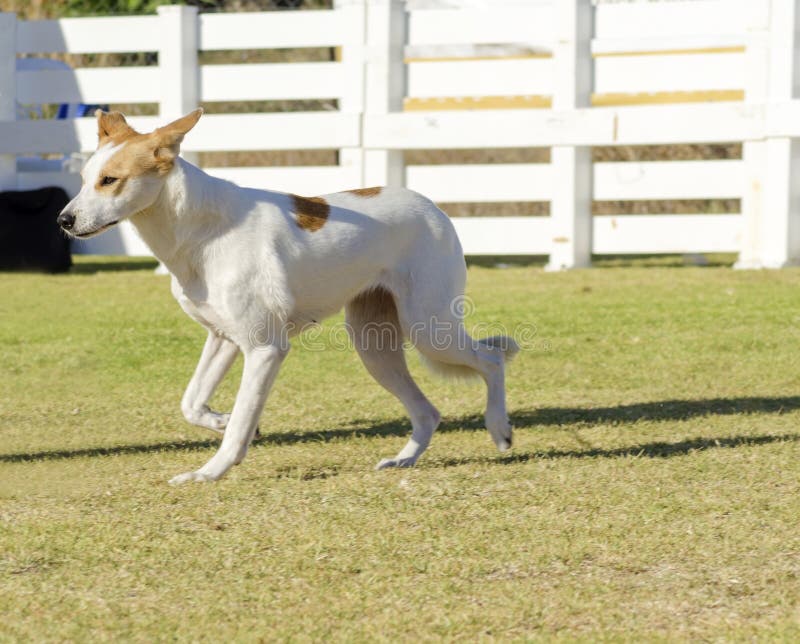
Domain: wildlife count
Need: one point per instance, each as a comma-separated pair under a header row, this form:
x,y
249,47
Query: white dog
x,y
255,267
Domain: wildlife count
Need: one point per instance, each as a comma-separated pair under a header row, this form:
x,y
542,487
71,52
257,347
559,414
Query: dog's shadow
x,y
567,417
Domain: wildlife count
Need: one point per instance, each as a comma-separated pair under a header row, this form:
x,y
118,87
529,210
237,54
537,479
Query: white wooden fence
x,y
402,69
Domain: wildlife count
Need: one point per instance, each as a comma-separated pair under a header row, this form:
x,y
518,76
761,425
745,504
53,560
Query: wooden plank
x,y
504,182
76,135
88,35
277,131
89,85
650,125
671,19
276,29
503,235
271,81
489,128
635,234
662,73
668,180
482,182
482,26
696,123
480,77
306,180
652,234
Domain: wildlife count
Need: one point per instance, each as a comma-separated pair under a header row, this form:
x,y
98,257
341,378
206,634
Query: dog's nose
x,y
66,220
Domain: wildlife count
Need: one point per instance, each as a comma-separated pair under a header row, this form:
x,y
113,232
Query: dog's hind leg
x,y
261,365
436,329
372,322
215,361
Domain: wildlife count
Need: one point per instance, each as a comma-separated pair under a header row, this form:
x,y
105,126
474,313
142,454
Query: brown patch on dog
x,y
113,128
311,212
367,192
143,153
376,308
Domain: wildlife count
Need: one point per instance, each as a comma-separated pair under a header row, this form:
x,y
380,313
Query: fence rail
x,y
721,71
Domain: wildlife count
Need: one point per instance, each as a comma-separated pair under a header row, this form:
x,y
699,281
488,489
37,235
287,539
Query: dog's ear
x,y
112,125
168,138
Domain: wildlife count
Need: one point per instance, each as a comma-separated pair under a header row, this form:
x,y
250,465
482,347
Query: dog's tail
x,y
496,347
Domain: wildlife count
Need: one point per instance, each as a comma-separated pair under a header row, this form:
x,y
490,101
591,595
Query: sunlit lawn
x,y
653,490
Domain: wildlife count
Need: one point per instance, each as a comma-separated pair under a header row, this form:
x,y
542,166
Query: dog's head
x,y
125,174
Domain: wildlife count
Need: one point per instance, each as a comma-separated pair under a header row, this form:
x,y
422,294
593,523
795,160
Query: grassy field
x,y
653,490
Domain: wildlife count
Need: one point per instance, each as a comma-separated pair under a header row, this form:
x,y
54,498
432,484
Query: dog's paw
x,y
501,431
207,418
213,420
216,421
187,477
395,462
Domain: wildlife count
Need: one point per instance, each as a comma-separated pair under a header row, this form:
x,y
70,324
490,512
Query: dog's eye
x,y
107,181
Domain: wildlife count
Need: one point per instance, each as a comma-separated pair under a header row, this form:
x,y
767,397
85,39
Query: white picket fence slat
x,y
275,30
481,78
88,35
671,19
275,131
482,182
657,234
91,85
274,81
665,73
655,180
479,26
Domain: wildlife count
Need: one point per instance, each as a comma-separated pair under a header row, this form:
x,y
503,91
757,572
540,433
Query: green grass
x,y
653,490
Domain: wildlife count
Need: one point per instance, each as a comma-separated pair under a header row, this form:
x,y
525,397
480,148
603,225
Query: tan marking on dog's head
x,y
311,212
142,153
367,192
113,128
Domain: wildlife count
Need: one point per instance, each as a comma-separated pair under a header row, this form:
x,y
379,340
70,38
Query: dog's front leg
x,y
261,366
217,357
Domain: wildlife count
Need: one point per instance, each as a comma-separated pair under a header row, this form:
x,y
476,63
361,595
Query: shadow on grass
x,y
660,449
119,450
666,410
121,264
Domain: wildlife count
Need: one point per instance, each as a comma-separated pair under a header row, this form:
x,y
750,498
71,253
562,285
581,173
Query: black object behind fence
x,y
30,239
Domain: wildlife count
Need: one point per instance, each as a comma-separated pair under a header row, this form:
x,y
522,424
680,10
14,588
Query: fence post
x,y
754,152
352,97
771,200
8,93
780,239
571,203
385,84
177,61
